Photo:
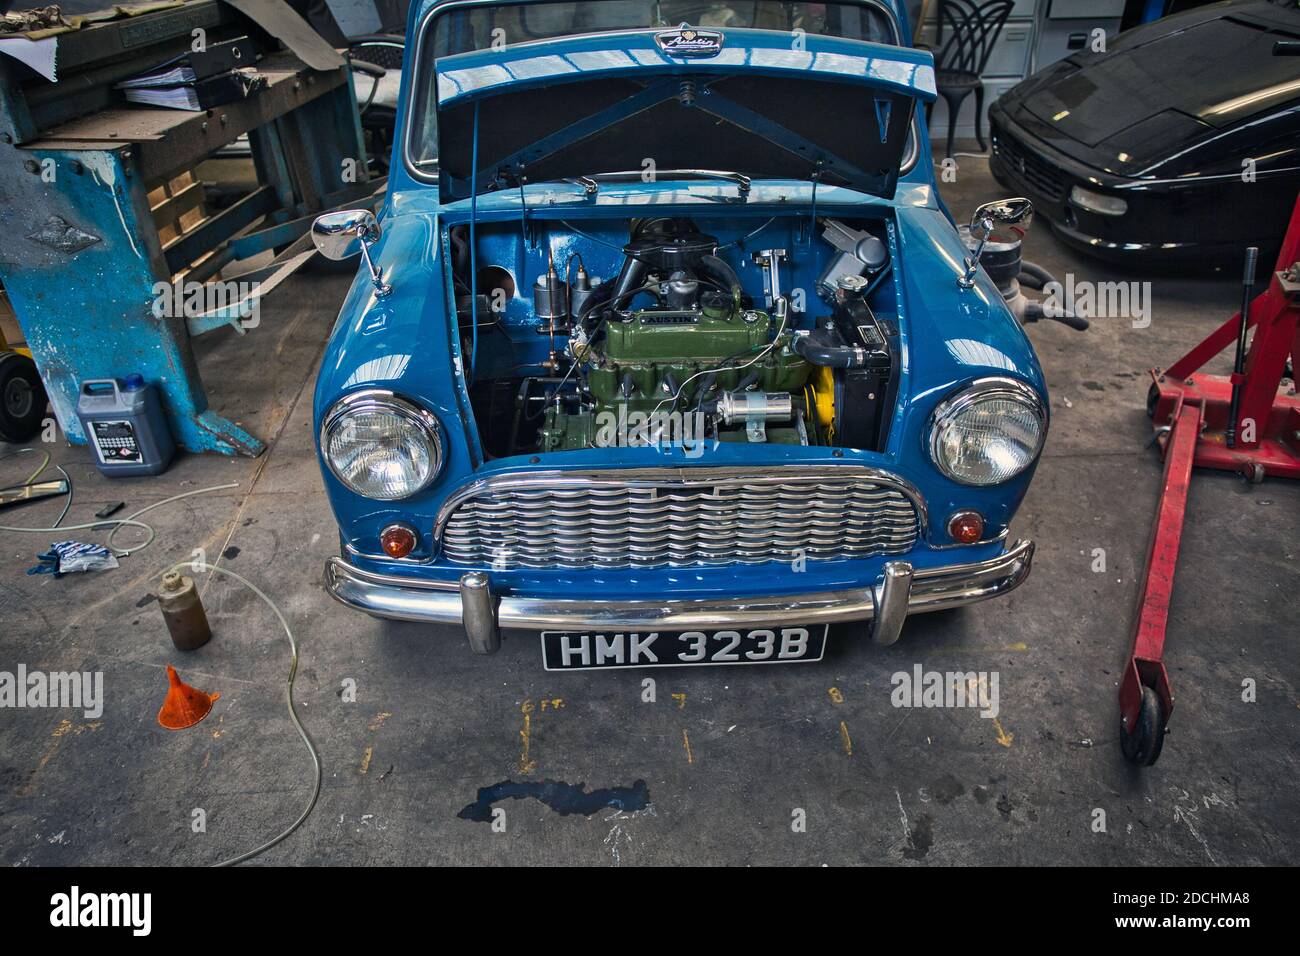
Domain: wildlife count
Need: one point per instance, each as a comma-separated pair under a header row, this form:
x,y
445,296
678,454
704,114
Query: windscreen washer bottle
x,y
125,426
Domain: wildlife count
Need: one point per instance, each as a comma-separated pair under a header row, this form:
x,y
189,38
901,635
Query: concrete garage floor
x,y
727,754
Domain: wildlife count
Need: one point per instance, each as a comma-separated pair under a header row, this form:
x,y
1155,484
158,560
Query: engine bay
x,y
676,331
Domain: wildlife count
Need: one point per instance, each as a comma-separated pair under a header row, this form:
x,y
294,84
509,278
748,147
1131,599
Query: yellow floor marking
x,y
836,696
68,727
29,787
1004,738
379,719
365,759
526,764
848,741
64,728
686,742
681,701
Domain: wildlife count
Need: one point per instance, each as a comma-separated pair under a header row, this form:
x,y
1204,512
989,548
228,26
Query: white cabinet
x,y
1069,27
1010,56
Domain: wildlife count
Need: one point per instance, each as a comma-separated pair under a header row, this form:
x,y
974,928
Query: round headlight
x,y
989,432
381,446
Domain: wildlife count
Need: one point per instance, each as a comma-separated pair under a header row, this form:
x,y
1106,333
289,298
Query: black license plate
x,y
596,650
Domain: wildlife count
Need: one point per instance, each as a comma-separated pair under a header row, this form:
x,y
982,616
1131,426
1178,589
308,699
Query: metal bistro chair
x,y
972,29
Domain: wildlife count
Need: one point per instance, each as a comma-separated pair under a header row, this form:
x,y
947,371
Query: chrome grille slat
x,y
631,535
826,518
679,518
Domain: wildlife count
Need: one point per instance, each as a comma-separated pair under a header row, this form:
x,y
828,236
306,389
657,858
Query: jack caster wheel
x,y
1142,746
22,398
1251,473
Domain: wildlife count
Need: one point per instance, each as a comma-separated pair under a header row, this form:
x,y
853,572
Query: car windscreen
x,y
483,27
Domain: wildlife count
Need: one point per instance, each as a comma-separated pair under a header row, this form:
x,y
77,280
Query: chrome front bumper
x,y
472,604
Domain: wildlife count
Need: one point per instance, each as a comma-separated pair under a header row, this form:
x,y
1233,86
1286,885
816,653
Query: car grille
x,y
679,517
1033,171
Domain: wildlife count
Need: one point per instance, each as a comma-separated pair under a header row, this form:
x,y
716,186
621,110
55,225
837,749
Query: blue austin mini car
x,y
664,344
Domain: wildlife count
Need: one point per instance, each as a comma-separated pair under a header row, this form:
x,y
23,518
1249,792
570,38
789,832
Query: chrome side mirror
x,y
982,223
341,235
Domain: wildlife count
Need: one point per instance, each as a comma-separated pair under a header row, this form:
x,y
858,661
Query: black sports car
x,y
1180,142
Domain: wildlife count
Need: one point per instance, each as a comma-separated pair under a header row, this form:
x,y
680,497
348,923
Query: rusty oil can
x,y
182,611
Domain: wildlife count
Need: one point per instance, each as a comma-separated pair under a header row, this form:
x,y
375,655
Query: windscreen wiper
x,y
589,186
740,179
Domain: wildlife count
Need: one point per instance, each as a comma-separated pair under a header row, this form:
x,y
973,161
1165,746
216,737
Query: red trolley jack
x,y
1248,422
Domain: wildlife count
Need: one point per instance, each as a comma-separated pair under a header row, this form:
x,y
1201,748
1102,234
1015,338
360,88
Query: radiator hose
x,y
816,350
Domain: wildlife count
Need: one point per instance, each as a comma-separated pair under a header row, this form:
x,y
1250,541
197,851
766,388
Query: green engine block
x,y
633,369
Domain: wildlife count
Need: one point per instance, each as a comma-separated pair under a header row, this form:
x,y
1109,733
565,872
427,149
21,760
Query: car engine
x,y
673,349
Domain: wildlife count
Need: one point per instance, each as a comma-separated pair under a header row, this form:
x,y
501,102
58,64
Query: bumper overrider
x,y
473,603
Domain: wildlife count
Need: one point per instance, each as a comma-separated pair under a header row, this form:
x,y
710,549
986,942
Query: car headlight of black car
x,y
988,432
1096,202
381,445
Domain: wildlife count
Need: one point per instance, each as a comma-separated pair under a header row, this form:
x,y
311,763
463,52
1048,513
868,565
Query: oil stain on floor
x,y
563,798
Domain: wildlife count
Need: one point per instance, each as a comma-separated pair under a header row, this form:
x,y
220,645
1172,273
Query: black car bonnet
x,y
1213,74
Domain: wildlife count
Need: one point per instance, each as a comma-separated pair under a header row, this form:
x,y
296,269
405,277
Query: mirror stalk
x,y
382,288
341,235
1009,211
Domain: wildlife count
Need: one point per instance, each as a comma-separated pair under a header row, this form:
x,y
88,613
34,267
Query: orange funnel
x,y
185,706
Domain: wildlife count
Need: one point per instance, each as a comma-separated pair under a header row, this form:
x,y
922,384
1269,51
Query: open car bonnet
x,y
754,102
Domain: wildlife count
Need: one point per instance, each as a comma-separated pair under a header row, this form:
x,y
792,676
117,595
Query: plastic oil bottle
x,y
125,425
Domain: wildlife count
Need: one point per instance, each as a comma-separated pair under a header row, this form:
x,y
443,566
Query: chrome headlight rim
x,y
981,390
382,399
